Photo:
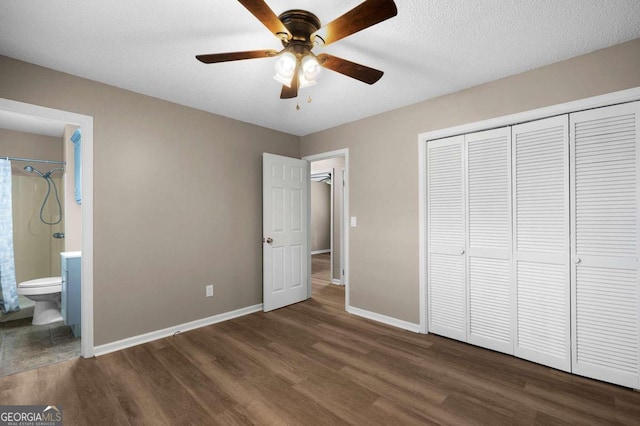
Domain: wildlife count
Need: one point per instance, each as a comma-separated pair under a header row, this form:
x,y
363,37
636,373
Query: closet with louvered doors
x,y
446,235
541,241
605,293
532,241
469,238
488,248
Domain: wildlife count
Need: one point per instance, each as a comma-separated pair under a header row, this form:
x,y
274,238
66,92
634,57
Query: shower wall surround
x,y
37,253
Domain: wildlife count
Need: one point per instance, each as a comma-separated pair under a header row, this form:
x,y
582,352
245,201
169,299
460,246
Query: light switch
x,y
354,222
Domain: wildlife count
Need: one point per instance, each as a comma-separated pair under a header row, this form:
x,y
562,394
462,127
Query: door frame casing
x,y
85,123
345,216
622,96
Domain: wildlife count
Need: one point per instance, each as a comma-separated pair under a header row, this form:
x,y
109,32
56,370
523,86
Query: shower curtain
x,y
8,289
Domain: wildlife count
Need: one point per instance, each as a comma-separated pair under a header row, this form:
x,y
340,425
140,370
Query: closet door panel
x,y
541,241
489,239
446,290
604,209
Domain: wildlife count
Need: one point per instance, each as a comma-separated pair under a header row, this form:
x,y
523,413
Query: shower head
x,y
32,169
46,175
42,175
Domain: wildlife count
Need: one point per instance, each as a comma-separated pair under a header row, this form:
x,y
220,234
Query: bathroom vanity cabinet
x,y
71,290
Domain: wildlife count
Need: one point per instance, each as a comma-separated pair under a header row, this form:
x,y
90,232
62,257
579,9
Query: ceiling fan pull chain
x,y
309,100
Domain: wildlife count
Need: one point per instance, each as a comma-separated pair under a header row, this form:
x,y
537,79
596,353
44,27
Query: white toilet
x,y
46,293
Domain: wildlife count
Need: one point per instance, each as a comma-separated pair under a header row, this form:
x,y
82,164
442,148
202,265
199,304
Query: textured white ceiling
x,y
431,48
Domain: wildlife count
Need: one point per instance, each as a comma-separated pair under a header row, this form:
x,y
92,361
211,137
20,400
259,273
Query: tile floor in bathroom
x,y
24,346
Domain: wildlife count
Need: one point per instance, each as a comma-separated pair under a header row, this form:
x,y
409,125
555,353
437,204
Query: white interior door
x,y
489,287
446,289
285,188
604,208
541,241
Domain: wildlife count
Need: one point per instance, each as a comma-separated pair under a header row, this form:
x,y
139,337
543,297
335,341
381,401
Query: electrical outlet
x,y
209,290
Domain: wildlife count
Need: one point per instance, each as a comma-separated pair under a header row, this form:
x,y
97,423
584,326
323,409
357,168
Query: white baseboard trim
x,y
159,334
384,319
336,282
320,251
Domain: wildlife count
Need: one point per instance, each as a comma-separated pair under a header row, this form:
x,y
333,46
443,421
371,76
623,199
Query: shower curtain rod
x,y
32,160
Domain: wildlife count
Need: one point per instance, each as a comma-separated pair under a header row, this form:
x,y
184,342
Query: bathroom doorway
x,y
47,221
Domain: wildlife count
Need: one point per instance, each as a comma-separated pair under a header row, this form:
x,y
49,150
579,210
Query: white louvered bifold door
x,y
604,211
541,241
446,290
489,239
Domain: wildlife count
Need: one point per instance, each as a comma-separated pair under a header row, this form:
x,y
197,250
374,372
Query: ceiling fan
x,y
299,31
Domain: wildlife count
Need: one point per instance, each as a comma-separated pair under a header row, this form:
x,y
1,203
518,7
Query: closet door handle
x,y
461,252
578,260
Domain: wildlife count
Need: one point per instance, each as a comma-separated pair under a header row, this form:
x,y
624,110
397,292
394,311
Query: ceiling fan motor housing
x,y
301,24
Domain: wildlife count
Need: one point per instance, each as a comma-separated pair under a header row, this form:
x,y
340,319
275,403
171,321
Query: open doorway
x,y
36,328
74,214
328,234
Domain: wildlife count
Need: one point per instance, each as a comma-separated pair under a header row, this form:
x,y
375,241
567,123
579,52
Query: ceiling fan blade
x,y
291,92
350,69
263,12
362,16
288,92
213,58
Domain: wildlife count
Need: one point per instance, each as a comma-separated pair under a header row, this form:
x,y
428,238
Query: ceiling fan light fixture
x,y
285,67
311,68
304,82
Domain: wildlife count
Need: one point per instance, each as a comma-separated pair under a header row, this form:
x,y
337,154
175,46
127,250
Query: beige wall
x,y
29,145
72,210
36,252
384,246
177,201
320,216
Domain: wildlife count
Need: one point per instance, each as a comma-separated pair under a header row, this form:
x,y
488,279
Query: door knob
x,y
268,240
578,260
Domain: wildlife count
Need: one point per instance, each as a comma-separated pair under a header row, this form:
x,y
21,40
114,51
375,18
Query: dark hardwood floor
x,y
312,363
322,290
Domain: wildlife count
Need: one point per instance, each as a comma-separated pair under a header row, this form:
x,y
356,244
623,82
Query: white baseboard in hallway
x,y
320,252
394,322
